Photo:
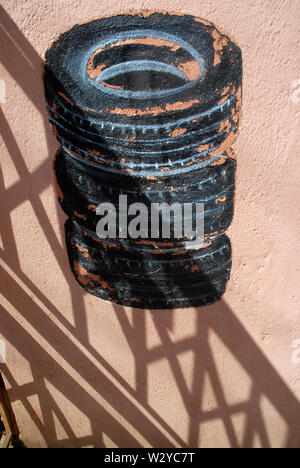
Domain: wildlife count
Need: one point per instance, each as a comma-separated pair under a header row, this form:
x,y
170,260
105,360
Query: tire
x,y
145,279
121,132
83,189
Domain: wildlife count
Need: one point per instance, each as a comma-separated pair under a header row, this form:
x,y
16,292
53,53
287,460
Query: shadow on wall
x,y
24,64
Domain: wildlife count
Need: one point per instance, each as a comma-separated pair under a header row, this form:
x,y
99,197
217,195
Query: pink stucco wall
x,y
85,373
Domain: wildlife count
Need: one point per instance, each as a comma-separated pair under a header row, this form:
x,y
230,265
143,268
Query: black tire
x,y
146,279
203,113
213,185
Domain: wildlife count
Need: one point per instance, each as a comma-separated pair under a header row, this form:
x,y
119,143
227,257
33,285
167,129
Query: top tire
x,y
144,84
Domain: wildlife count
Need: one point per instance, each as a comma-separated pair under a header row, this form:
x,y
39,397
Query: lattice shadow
x,y
24,64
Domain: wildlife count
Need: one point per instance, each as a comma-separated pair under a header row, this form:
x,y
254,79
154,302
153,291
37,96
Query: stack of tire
x,y
146,105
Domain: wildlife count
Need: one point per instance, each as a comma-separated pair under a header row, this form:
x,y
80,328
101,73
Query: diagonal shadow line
x,y
6,228
20,42
11,61
197,389
141,377
23,63
71,354
25,66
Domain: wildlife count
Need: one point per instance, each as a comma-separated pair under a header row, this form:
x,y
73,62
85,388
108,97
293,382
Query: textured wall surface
x,y
85,373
